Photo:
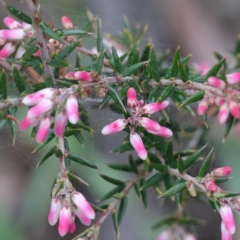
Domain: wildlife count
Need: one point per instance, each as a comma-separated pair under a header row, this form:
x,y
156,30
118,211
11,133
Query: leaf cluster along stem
x,y
48,72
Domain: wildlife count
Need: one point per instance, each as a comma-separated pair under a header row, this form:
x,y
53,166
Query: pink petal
x,y
25,123
37,53
64,220
83,76
163,132
223,113
60,122
80,201
43,129
216,82
7,50
149,124
131,98
12,23
15,34
114,127
72,109
67,23
84,219
154,107
233,78
42,107
202,107
222,171
70,75
138,145
219,101
234,109
225,234
227,217
54,211
35,98
72,225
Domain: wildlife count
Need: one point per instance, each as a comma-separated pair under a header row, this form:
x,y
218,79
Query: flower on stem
x,y
221,172
227,218
67,23
60,122
233,78
226,235
72,109
43,129
137,110
64,220
216,82
54,211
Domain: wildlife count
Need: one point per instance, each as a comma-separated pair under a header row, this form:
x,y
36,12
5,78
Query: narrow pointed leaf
x,y
49,138
115,190
76,178
129,70
158,166
228,126
133,83
152,65
122,209
58,63
132,164
49,82
29,51
185,59
176,60
78,159
168,156
214,70
167,92
117,61
153,95
181,166
18,80
182,72
143,193
133,57
99,64
115,223
48,154
3,86
123,148
137,190
49,32
62,54
112,180
205,165
71,32
193,158
11,124
99,37
120,167
156,178
115,97
177,188
20,15
194,98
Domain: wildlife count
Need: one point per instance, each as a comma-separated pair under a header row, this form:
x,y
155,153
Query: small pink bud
x,y
219,101
234,109
12,23
223,113
67,23
83,76
210,185
35,98
227,218
54,211
7,50
70,75
72,109
138,145
154,107
140,103
80,201
60,122
43,129
163,132
202,107
222,172
216,82
15,34
2,41
149,124
233,78
131,98
42,107
225,234
64,220
25,123
114,127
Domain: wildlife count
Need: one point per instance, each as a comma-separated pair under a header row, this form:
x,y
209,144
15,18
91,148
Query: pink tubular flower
x,y
7,50
60,122
67,23
222,172
227,218
70,75
82,76
131,98
149,124
15,34
154,107
25,124
234,109
223,113
72,109
54,211
72,225
138,145
82,204
163,132
43,129
84,219
225,234
114,127
37,97
202,107
64,220
233,78
12,23
216,82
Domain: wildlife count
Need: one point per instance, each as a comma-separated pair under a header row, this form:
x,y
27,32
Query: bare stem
x,y
10,102
40,38
63,169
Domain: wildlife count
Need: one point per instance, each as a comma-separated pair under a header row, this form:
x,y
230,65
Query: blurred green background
x,y
199,27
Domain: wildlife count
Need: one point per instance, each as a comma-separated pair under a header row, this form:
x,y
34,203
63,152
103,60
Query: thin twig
x,y
10,102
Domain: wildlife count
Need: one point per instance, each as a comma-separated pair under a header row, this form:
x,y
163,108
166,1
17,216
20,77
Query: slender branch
x,y
5,65
63,169
48,72
10,102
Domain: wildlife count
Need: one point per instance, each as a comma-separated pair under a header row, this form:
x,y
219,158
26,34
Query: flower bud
x,y
154,107
7,50
138,145
221,172
131,98
67,23
233,78
234,109
60,122
149,124
72,109
216,82
43,129
114,127
210,184
83,76
12,23
25,123
54,211
202,107
15,34
227,218
163,132
223,113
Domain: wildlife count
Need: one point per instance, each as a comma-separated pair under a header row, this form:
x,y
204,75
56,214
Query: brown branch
x,y
11,102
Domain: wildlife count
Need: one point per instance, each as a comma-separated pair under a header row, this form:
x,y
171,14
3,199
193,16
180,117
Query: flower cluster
x,y
65,206
139,113
228,104
43,102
